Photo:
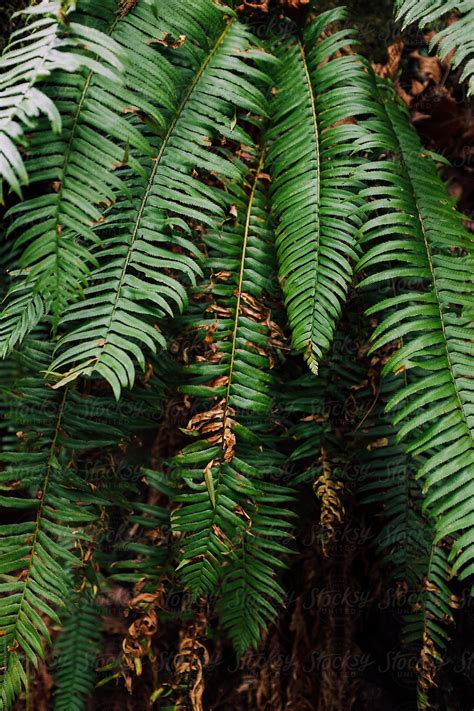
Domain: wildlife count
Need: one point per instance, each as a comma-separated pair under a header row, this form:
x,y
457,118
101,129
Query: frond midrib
x,y
226,406
317,203
248,217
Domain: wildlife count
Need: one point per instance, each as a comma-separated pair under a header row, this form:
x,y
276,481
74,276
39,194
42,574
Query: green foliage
x,y
76,651
424,240
76,172
236,513
139,279
455,40
56,508
37,50
180,173
315,196
419,567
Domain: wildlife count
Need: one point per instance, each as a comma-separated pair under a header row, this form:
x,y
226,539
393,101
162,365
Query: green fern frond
x,y
24,310
426,625
75,652
50,42
455,41
147,557
149,252
56,505
390,476
418,567
76,171
316,138
417,238
232,511
251,595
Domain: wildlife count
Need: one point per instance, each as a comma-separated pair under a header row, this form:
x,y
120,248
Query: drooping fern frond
x,y
49,43
39,553
75,652
76,172
418,567
233,507
145,559
415,236
149,252
426,624
390,476
321,92
456,40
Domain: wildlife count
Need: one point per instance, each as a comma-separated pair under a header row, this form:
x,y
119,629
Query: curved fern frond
x,y
251,595
39,552
321,93
149,252
75,653
24,310
44,46
233,506
417,238
426,625
418,567
77,171
455,41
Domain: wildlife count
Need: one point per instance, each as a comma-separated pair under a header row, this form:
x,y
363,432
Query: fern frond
x,y
251,595
455,41
24,310
76,172
405,539
316,137
418,239
149,252
34,52
233,507
75,652
418,566
38,553
426,625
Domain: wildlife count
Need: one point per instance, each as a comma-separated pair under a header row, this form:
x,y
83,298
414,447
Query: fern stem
x,y
248,217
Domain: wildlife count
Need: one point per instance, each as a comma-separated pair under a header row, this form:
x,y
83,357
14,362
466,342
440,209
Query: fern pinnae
x,y
423,232
125,324
20,620
40,554
201,558
75,652
233,509
56,230
21,71
316,238
454,42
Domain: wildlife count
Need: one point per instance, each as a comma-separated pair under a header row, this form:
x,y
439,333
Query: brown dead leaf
x,y
168,41
389,70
